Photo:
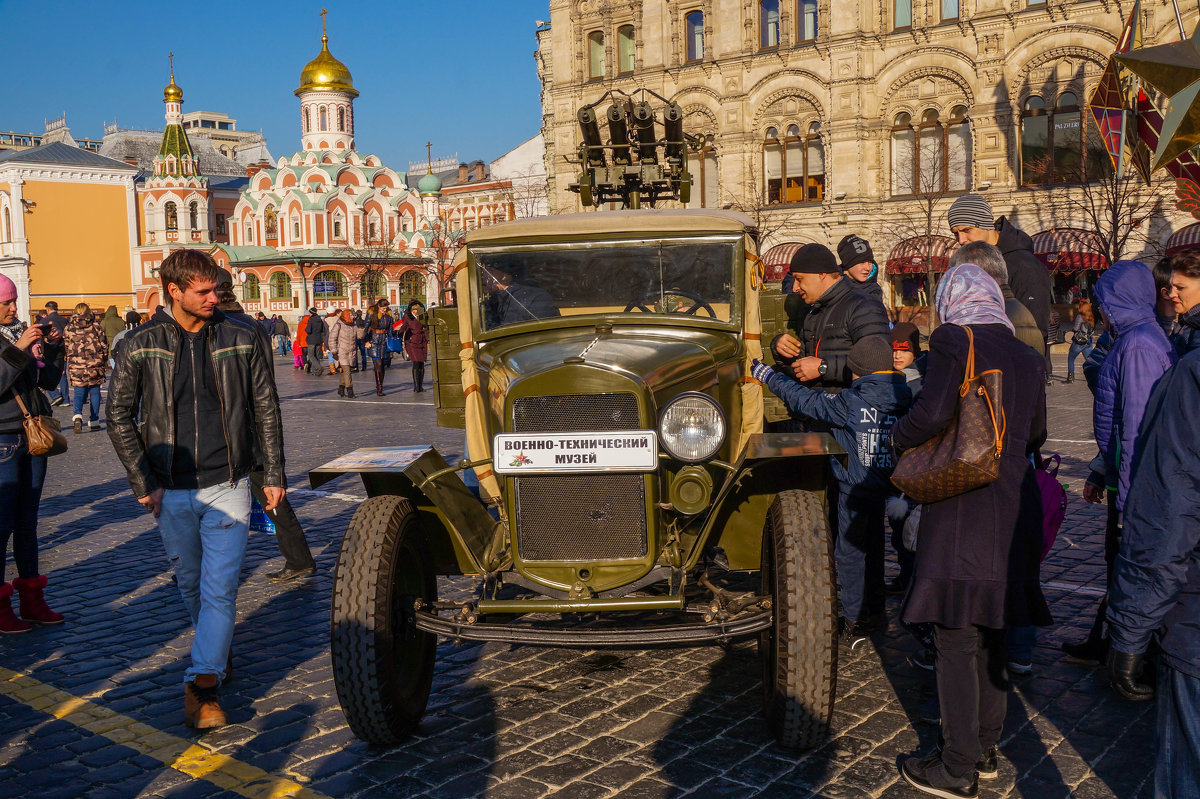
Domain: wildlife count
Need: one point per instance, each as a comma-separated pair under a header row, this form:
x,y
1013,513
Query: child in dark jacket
x,y
860,418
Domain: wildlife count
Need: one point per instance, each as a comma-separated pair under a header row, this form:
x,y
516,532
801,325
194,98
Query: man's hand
x,y
807,368
1093,493
274,495
152,502
788,346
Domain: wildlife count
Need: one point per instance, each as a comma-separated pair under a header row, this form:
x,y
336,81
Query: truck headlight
x,y
692,427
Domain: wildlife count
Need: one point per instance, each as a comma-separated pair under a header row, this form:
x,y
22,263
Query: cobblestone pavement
x,y
94,707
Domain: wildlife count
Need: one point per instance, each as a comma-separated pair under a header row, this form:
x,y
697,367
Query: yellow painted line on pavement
x,y
172,751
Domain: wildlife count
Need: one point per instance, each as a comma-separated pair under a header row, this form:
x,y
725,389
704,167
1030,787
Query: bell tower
x,y
326,95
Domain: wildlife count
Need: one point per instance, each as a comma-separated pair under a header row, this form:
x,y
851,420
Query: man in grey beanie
x,y
971,219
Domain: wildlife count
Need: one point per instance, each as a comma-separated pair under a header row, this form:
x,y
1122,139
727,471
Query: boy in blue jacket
x,y
860,419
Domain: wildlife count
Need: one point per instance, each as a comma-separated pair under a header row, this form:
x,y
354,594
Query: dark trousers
x,y
1177,767
288,534
858,552
418,375
972,690
1112,547
21,479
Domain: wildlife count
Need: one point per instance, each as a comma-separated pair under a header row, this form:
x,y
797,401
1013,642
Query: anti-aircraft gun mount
x,y
636,165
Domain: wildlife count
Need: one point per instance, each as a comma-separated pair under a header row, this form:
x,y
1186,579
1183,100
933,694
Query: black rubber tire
x,y
382,664
799,650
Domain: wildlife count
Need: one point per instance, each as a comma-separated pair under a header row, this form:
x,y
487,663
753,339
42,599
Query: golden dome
x,y
172,93
326,73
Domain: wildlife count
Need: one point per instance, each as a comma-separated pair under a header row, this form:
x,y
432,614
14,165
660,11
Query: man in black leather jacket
x,y
839,315
205,390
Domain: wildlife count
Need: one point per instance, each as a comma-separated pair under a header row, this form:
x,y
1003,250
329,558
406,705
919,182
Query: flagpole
x,y
1179,19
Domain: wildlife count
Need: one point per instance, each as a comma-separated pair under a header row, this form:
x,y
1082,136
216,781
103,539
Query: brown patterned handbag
x,y
966,455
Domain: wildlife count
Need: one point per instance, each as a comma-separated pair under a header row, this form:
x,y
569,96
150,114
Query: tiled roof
x,y
61,154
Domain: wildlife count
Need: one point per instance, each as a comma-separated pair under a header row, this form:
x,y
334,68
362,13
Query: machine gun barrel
x,y
673,132
618,134
643,125
589,127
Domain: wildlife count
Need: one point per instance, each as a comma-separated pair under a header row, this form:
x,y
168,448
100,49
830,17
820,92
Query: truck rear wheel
x,y
382,664
799,649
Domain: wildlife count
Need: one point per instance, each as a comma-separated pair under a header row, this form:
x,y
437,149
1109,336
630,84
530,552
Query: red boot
x,y
33,606
9,623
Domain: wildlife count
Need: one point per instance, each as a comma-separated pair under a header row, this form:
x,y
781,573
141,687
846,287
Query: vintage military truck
x,y
625,494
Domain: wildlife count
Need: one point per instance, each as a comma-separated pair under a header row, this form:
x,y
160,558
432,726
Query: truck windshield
x,y
672,277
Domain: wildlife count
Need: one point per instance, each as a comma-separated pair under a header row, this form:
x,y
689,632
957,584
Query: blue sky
x,y
459,74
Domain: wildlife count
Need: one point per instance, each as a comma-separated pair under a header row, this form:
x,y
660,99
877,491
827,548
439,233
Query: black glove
x,y
1123,672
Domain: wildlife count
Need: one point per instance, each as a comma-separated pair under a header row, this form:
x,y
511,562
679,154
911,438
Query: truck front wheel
x,y
382,664
799,649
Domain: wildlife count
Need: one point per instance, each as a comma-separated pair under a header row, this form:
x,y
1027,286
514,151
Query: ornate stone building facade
x,y
830,117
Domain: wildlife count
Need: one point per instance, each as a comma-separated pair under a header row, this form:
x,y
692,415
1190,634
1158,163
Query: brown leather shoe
x,y
200,705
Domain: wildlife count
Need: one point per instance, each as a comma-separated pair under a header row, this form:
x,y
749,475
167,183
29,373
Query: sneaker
x,y
1020,667
78,424
56,402
1086,652
925,660
201,708
929,776
93,426
854,633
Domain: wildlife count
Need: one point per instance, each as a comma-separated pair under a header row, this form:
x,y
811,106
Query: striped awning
x,y
1070,250
915,256
778,259
1185,238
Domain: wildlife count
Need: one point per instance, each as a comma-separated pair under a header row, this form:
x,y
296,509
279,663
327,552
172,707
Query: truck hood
x,y
654,356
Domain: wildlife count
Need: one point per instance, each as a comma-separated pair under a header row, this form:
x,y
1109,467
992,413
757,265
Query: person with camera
x,y
30,358
1082,331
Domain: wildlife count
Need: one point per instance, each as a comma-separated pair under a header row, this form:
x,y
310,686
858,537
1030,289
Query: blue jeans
x,y
280,344
1020,641
1076,349
21,479
204,532
858,552
363,361
1177,767
92,394
62,387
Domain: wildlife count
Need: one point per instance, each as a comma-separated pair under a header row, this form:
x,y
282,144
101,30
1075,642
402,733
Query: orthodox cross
x,y
429,155
323,13
171,59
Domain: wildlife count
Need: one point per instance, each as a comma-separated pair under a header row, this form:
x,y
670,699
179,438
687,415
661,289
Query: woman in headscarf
x,y
30,358
412,332
977,557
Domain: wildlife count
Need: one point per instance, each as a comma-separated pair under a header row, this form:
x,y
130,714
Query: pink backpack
x,y
1054,500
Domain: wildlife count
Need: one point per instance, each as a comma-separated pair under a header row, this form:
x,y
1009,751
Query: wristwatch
x,y
823,368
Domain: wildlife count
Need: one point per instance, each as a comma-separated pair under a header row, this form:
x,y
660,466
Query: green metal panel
x,y
780,314
447,368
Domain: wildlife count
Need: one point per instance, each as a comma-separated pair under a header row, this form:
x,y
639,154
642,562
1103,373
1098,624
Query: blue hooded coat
x,y
1139,356
1156,580
860,418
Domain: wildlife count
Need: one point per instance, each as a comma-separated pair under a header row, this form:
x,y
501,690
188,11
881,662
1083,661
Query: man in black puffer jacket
x,y
838,316
204,387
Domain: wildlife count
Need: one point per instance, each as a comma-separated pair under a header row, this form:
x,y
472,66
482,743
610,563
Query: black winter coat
x,y
978,553
834,322
19,373
1027,275
1156,579
315,328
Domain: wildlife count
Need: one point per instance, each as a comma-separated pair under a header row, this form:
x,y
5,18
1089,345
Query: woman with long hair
x,y
30,358
413,333
1082,333
976,566
379,324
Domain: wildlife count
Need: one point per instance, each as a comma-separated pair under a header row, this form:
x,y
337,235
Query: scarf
x,y
967,295
12,332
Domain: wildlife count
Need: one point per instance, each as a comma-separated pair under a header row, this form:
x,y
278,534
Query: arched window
x,y
281,286
794,165
338,232
1035,142
695,35
806,20
307,119
6,233
931,154
271,223
596,54
322,116
193,216
705,184
406,223
904,161
1066,138
249,232
341,118
295,227
625,49
374,285
768,23
172,215
958,150
336,278
250,289
412,287
372,229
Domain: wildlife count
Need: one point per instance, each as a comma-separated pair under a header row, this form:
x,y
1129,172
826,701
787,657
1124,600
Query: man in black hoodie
x,y
971,219
314,327
858,264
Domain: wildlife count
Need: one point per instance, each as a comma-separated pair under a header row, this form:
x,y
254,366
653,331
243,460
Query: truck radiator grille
x,y
574,517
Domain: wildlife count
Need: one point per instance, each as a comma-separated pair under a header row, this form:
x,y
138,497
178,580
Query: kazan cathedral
x,y
326,227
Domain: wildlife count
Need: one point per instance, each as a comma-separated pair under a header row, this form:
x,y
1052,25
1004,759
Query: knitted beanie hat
x,y
869,355
814,259
973,211
8,289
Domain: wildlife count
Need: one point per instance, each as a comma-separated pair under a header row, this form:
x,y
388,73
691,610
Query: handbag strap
x,y
999,418
21,405
969,373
